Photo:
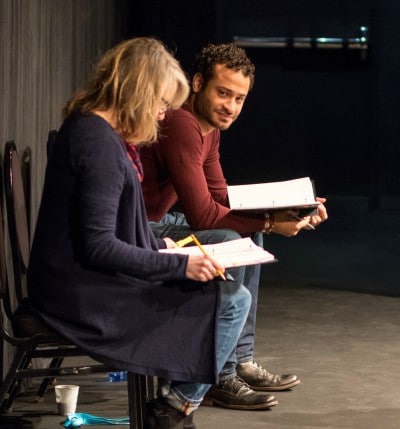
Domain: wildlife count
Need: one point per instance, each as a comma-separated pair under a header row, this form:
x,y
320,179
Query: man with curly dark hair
x,y
185,191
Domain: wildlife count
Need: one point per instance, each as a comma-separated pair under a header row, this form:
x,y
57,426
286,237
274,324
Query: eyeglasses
x,y
165,106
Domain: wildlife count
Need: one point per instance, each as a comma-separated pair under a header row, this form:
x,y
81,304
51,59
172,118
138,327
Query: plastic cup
x,y
66,398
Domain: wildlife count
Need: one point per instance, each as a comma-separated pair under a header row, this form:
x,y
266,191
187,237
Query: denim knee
x,y
236,297
245,297
226,235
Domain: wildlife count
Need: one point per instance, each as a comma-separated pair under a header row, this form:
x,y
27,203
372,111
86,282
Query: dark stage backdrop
x,y
329,114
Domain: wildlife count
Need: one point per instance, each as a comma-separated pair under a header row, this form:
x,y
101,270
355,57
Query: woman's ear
x,y
197,82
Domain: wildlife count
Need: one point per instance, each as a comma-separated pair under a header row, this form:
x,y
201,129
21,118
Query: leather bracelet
x,y
269,223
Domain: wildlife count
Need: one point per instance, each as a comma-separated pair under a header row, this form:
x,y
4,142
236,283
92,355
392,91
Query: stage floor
x,y
329,311
344,346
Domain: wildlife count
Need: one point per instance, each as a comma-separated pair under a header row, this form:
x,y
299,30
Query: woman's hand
x,y
203,268
169,243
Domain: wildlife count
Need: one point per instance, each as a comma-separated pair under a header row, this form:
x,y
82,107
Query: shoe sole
x,y
211,402
276,388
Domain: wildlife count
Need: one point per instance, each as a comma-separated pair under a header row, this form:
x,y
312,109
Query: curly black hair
x,y
229,54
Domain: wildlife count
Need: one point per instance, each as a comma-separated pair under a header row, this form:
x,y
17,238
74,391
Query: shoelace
x,y
263,371
238,384
76,420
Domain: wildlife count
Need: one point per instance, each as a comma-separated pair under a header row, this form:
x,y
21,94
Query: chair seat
x,y
27,324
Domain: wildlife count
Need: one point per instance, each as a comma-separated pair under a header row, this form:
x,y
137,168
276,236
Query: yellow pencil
x,y
198,244
184,241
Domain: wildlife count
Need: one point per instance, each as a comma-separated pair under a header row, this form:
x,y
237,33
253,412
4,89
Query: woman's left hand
x,y
170,243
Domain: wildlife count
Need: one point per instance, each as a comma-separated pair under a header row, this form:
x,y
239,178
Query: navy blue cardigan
x,y
95,274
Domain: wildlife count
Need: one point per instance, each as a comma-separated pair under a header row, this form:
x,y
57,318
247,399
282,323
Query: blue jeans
x,y
235,302
175,226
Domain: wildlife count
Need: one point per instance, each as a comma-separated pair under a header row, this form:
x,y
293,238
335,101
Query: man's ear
x,y
197,82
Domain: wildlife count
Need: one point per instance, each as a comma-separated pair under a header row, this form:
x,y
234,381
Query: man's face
x,y
219,103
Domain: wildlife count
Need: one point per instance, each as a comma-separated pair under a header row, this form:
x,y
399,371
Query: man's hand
x,y
287,226
322,215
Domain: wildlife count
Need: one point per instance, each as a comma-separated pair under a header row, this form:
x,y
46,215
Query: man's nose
x,y
230,105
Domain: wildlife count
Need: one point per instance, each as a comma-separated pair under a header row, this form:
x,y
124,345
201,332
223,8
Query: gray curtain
x,y
47,48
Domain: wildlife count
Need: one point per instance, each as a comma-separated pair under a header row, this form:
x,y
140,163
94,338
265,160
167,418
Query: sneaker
x,y
160,415
259,378
237,395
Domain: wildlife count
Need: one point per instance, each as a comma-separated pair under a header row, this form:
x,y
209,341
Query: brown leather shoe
x,y
259,378
160,415
237,395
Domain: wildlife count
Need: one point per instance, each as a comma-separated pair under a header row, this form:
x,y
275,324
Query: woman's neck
x,y
108,115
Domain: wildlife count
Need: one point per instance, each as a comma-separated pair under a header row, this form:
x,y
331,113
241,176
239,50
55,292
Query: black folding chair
x,y
27,333
26,180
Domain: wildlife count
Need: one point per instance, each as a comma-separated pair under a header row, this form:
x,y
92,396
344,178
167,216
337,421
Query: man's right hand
x,y
287,226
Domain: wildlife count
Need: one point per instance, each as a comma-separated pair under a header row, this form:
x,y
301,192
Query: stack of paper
x,y
289,194
233,253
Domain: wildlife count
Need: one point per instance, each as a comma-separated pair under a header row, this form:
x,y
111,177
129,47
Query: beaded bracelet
x,y
269,223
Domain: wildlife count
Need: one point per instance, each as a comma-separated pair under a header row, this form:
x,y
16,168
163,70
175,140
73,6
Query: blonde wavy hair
x,y
133,79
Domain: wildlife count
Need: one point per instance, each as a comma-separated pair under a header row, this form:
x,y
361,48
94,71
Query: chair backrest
x,y
5,309
26,180
4,290
17,219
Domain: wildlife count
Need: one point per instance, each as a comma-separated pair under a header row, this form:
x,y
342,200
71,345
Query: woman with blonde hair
x,y
95,273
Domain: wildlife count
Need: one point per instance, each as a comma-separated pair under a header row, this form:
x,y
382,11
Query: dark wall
x,y
309,113
184,26
329,114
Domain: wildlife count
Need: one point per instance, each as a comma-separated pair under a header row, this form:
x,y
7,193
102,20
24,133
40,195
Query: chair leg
x,y
55,363
137,396
151,394
11,383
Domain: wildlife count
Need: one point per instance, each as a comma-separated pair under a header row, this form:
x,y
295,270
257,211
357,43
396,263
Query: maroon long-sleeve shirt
x,y
184,166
